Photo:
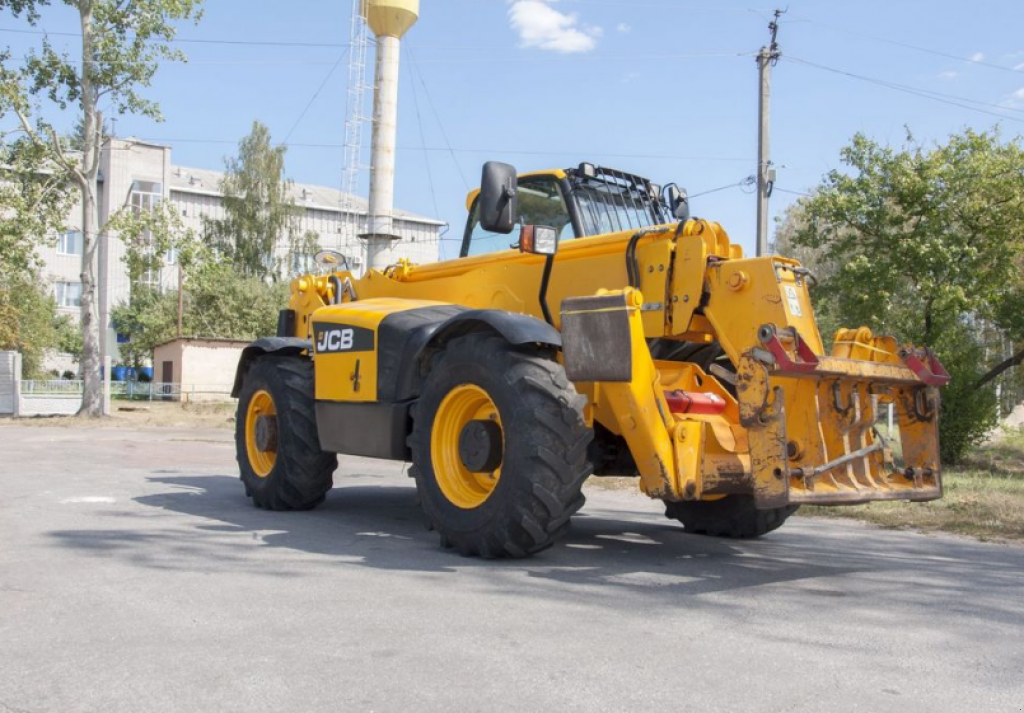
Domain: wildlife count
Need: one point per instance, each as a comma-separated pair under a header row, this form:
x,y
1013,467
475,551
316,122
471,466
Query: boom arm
x,y
802,430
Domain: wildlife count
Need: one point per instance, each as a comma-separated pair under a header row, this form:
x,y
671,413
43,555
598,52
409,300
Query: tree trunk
x,y
92,330
1016,360
92,362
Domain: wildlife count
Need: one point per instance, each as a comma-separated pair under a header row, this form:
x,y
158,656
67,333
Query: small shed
x,y
200,369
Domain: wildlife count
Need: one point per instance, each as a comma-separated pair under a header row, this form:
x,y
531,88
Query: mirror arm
x,y
543,296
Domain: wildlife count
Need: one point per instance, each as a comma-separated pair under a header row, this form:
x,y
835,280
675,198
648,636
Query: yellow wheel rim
x,y
261,404
463,488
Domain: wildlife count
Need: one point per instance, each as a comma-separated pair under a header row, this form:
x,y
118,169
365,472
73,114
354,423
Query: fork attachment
x,y
811,421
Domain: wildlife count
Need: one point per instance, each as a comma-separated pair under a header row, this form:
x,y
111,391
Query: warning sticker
x,y
793,298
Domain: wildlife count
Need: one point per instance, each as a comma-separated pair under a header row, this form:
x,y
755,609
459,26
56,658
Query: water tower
x,y
389,20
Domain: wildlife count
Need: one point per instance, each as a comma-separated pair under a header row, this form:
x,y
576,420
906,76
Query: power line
x,y
489,57
190,40
748,181
925,93
908,87
437,117
926,50
314,97
423,137
208,62
452,60
658,6
597,57
511,152
795,193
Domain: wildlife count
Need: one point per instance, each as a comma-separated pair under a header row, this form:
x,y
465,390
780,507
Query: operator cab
x,y
572,203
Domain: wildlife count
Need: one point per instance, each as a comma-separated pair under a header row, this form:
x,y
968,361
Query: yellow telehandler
x,y
588,327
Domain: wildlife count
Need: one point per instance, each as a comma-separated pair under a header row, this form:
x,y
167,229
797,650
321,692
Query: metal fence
x,y
131,390
51,387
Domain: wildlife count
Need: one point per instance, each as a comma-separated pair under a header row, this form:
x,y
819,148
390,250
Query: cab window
x,y
540,203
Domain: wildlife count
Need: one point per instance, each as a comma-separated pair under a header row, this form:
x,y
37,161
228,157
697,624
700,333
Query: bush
x,y
968,413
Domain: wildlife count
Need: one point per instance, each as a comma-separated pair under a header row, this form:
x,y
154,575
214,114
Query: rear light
x,y
696,402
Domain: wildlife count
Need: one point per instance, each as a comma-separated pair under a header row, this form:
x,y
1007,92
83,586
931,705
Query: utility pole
x,y
766,59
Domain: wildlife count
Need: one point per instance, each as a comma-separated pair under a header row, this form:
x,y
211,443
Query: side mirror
x,y
499,198
678,202
538,239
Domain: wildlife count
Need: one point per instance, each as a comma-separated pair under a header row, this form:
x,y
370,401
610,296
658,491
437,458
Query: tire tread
x,y
542,500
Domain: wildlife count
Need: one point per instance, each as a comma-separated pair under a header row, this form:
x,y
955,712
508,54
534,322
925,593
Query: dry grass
x,y
984,497
145,414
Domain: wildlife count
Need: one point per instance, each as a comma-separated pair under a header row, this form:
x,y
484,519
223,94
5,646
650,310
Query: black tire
x,y
302,473
703,355
733,516
544,457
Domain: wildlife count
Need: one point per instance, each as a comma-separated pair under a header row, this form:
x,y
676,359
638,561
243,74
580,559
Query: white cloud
x,y
949,76
977,57
1019,67
1013,100
540,25
623,28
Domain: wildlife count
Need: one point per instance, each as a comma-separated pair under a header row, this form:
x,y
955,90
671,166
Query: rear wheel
x,y
732,516
276,441
499,448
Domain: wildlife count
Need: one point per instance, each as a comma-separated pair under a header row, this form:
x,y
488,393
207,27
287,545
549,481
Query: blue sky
x,y
663,88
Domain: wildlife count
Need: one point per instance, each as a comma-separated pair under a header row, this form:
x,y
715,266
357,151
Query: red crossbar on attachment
x,y
695,402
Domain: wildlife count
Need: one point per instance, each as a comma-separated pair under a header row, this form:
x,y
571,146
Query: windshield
x,y
609,204
540,203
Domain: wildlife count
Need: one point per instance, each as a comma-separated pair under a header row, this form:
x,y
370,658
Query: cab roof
x,y
555,172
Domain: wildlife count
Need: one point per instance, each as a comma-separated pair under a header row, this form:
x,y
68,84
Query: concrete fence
x,y
20,397
131,390
10,376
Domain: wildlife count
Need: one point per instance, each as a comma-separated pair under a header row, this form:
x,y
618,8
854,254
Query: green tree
x,y
35,198
147,319
926,243
218,298
34,201
28,322
217,303
122,43
258,210
150,235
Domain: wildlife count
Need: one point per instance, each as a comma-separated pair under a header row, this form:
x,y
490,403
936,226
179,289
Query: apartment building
x,y
140,174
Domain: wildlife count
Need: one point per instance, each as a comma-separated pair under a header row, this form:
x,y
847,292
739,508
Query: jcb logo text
x,y
334,338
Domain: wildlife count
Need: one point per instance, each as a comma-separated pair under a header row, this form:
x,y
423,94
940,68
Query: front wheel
x,y
276,441
499,448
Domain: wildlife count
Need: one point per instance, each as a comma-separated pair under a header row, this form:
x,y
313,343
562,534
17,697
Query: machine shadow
x,y
382,527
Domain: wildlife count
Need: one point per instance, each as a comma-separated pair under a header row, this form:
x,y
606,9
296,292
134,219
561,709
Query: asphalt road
x,y
134,576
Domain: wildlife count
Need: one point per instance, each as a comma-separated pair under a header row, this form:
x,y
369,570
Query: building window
x,y
145,195
69,294
302,263
152,280
70,242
